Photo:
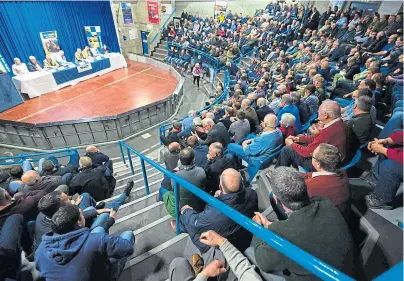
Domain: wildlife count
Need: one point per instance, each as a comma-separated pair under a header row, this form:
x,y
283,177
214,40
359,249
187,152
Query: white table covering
x,y
38,83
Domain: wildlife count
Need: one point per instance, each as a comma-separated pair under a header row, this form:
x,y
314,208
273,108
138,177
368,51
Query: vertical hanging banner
x,y
3,65
166,8
153,12
93,34
220,7
50,41
127,13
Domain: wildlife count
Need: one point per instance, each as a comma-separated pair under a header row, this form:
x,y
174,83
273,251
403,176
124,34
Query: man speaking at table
x,y
34,65
78,56
50,63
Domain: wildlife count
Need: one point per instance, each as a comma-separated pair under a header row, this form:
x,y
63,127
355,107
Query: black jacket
x,y
60,171
213,169
93,181
309,228
97,158
245,201
358,130
217,134
263,111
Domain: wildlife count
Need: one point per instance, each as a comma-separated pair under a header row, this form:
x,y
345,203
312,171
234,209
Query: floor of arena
x,y
107,95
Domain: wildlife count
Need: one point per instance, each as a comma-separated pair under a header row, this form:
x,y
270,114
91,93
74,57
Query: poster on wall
x,y
127,13
50,42
220,7
166,9
3,65
153,12
93,35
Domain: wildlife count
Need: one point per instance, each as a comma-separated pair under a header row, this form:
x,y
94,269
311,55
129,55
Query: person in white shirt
x,y
34,65
19,68
61,59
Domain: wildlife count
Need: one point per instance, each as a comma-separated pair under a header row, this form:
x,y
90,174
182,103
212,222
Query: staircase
x,y
156,244
160,52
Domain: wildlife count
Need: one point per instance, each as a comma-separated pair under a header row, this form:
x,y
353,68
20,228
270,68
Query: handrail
x,y
213,59
304,259
24,157
162,27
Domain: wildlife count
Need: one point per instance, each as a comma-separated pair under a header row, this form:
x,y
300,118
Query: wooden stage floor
x,y
107,95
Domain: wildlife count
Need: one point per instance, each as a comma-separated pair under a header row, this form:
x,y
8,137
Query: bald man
x,y
232,193
100,159
256,150
92,181
33,183
172,156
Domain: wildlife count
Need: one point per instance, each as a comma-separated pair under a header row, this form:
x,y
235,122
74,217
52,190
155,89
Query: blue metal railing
x,y
212,60
304,259
162,27
34,157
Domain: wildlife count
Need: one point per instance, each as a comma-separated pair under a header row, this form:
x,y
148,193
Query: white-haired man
x,y
34,65
187,124
19,68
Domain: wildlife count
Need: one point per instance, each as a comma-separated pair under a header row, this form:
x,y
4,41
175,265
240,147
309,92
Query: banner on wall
x,y
166,9
50,41
220,7
93,35
153,12
3,65
127,13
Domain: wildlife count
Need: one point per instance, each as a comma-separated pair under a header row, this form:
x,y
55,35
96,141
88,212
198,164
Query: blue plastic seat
x,y
306,126
252,169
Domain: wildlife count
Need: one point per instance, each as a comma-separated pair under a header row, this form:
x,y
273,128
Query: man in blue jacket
x,y
288,107
72,252
256,150
232,193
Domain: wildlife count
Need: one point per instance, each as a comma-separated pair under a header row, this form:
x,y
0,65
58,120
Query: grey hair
x,y
332,108
217,147
197,121
246,102
191,112
364,103
210,115
288,120
282,88
289,186
295,96
31,57
329,157
208,121
261,102
270,121
287,99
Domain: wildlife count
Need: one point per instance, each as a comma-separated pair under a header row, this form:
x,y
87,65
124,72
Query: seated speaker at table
x,y
105,50
34,65
86,53
78,56
60,58
19,68
49,62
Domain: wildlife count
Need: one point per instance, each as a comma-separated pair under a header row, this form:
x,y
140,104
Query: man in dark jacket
x,y
34,183
215,133
66,172
99,159
201,151
333,245
216,164
359,127
232,193
172,135
92,181
72,252
262,109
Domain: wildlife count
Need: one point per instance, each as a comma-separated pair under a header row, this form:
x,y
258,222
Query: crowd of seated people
x,y
312,96
56,60
52,214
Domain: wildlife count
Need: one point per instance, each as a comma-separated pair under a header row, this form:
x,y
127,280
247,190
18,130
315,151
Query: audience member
x,y
19,68
240,128
34,65
201,151
215,133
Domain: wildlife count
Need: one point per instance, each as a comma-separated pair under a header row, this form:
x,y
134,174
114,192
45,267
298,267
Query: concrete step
x,y
152,235
160,51
119,165
124,173
138,191
151,176
140,218
136,205
159,57
153,265
123,179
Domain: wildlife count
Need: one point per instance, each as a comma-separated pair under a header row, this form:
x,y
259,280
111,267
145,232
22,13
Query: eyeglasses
x,y
312,156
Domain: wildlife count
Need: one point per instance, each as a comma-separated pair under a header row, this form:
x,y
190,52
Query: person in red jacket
x,y
298,150
387,174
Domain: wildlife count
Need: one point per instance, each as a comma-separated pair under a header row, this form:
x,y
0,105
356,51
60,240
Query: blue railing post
x,y
146,184
177,207
121,150
130,160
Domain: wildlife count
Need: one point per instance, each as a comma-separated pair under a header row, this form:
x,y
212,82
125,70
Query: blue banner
x,y
127,13
3,65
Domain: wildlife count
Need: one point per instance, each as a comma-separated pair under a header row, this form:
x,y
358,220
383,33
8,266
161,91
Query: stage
x,y
104,108
107,95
